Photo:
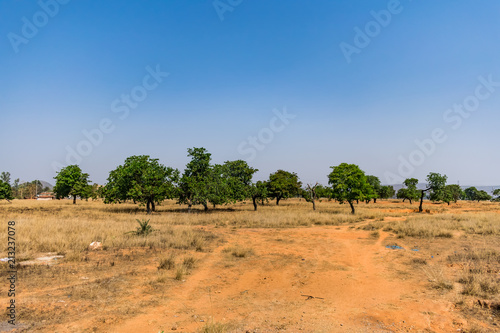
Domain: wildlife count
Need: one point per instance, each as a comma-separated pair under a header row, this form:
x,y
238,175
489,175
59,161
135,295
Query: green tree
x,y
497,192
452,193
471,193
283,185
5,191
375,184
71,181
409,193
386,192
236,177
483,196
435,183
259,190
323,192
195,182
143,180
349,184
5,177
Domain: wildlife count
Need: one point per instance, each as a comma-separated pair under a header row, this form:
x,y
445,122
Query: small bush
x,y
214,328
239,252
189,262
144,228
167,263
180,273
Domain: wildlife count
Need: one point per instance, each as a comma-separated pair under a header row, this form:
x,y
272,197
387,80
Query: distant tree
x,y
71,181
237,176
497,192
471,193
483,196
195,182
375,184
96,191
435,183
259,190
409,193
437,190
386,192
401,194
323,192
283,185
143,180
310,194
5,191
452,193
349,184
218,187
15,188
5,177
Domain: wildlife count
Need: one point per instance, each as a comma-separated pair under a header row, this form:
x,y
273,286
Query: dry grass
x,y
445,225
238,251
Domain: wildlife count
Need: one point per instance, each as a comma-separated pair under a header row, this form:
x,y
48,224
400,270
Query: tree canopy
x,y
71,181
259,190
283,185
5,191
453,193
386,192
143,180
349,184
374,181
194,183
409,193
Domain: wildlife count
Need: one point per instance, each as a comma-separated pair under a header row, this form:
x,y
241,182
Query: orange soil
x,y
356,283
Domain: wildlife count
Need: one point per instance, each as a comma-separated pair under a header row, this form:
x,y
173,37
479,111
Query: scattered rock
x,y
94,246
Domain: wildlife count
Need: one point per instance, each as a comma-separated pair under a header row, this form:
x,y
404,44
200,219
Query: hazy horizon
x,y
401,88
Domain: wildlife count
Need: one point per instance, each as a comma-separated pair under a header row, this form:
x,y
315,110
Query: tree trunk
x,y
409,200
374,200
254,201
352,207
278,201
314,204
148,207
74,199
205,206
357,201
420,209
153,207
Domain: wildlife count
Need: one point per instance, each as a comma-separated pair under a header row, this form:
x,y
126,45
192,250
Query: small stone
x,y
94,246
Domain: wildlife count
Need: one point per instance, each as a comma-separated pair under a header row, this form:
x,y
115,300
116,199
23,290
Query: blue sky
x,y
233,65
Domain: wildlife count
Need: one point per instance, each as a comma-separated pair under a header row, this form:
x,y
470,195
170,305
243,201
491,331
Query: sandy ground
x,y
322,279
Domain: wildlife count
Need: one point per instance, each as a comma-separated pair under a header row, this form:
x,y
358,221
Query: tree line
x,y
19,190
145,181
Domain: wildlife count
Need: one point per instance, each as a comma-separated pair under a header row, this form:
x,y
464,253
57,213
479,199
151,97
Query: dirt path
x,y
356,284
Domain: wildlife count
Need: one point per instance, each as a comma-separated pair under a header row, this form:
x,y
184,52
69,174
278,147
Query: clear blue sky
x,y
361,90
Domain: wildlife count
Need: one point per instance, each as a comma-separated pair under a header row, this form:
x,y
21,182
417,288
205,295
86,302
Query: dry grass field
x,y
286,268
